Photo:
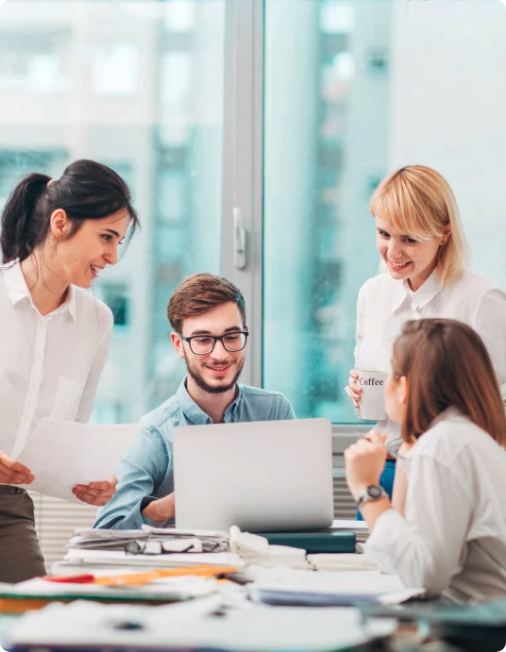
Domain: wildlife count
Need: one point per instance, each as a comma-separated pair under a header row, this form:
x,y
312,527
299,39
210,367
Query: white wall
x,y
448,110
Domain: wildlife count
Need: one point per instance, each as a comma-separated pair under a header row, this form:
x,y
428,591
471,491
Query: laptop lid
x,y
260,475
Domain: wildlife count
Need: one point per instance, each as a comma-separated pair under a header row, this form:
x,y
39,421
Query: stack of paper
x,y
334,588
92,558
359,527
256,551
14,597
160,547
151,540
342,562
196,625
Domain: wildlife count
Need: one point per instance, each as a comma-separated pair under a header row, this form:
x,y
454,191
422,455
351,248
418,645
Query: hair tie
x,y
50,183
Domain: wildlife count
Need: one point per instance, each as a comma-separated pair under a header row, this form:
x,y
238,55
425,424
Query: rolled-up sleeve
x,y
286,410
490,323
426,547
141,472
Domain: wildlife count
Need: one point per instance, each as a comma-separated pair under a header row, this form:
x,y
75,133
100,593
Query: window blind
x,y
55,521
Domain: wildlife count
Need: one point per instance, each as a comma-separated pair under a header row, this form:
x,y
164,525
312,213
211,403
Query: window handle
x,y
240,238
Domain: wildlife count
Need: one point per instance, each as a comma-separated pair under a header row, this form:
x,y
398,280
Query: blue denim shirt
x,y
146,469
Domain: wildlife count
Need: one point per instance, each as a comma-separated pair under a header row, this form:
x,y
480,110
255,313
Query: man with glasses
x,y
208,317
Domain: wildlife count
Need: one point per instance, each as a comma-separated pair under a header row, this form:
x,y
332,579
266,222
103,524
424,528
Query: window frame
x,y
243,164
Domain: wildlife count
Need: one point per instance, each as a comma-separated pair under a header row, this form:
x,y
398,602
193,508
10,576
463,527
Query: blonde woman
x,y
450,535
423,251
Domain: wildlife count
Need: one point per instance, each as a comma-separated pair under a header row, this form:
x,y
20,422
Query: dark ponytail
x,y
86,190
21,227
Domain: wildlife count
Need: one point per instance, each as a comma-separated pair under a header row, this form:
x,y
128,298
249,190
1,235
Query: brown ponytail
x,y
86,190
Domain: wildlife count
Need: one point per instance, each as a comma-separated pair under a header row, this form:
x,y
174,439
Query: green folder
x,y
314,542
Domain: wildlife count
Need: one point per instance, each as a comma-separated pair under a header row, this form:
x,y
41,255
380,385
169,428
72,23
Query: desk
x,y
226,620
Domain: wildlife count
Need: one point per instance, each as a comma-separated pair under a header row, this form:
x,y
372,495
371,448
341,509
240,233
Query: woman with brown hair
x,y
447,533
57,236
423,252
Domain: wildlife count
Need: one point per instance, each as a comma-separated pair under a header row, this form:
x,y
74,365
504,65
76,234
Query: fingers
x,y
96,493
12,472
354,388
377,437
374,442
170,505
96,501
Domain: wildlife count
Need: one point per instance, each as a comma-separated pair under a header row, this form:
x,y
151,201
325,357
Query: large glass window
x,y
314,102
138,86
353,90
326,122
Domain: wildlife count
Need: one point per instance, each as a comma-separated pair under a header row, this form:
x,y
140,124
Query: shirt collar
x,y
449,413
195,414
15,283
421,297
17,289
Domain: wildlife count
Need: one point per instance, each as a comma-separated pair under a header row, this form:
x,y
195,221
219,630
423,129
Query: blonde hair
x,y
418,201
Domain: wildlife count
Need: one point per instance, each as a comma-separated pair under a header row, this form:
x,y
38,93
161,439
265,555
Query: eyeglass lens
x,y
205,344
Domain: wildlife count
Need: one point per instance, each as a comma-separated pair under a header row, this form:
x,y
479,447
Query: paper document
x,y
62,454
121,558
328,588
166,589
195,625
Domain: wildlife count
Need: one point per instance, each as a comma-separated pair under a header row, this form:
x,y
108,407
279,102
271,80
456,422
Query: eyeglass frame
x,y
215,338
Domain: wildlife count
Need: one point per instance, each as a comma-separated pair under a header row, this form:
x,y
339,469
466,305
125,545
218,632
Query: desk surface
x,y
241,626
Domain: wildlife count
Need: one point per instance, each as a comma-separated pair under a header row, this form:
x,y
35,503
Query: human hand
x,y
12,472
161,509
364,462
96,493
354,388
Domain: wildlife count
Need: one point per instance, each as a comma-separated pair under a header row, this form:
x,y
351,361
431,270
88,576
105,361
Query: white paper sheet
x,y
62,454
196,624
121,558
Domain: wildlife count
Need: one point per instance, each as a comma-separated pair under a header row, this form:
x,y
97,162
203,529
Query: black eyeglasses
x,y
204,344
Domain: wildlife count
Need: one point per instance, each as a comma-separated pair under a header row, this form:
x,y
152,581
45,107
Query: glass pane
x,y
353,90
319,171
137,86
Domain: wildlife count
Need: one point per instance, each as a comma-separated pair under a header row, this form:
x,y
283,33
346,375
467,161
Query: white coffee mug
x,y
372,400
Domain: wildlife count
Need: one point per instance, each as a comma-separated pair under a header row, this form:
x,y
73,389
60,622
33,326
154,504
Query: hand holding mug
x,y
355,391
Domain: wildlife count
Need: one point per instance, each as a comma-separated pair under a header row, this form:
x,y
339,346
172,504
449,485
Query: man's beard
x,y
210,389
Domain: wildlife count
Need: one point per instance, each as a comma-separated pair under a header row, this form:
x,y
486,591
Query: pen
x,y
390,452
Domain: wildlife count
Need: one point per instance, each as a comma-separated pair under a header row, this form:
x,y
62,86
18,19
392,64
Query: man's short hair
x,y
200,293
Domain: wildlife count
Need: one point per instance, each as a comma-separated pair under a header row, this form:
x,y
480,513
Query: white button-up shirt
x,y
49,366
385,304
452,538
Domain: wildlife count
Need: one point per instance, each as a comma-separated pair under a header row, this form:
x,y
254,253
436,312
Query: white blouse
x,y
385,304
452,539
49,366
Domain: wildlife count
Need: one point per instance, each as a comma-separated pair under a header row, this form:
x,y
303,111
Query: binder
x,y
314,541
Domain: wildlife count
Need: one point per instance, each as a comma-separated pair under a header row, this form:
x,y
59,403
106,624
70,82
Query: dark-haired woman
x,y
57,236
447,534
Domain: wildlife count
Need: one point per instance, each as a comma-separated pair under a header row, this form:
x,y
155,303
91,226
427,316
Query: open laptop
x,y
260,476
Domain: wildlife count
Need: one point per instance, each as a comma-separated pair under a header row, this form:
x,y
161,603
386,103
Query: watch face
x,y
374,491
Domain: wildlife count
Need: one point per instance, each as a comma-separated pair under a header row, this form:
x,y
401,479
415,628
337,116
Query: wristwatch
x,y
371,493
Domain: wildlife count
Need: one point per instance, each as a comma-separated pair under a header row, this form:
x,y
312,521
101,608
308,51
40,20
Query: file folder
x,y
315,541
